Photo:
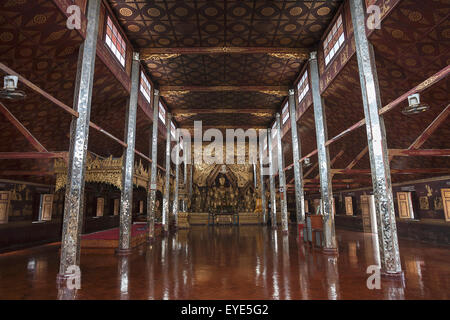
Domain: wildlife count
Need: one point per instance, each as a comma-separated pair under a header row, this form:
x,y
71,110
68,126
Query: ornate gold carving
x,y
287,56
101,170
278,93
174,93
160,56
424,205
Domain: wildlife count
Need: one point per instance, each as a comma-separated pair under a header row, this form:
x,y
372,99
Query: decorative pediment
x,y
105,170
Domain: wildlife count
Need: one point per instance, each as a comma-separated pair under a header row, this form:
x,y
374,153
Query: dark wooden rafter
x,y
24,131
425,135
358,158
25,173
340,153
442,74
393,171
60,104
150,53
181,112
32,155
170,90
422,152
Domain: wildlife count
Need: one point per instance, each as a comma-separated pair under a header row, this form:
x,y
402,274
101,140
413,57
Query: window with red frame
x,y
115,42
334,41
303,86
173,130
162,113
146,87
285,113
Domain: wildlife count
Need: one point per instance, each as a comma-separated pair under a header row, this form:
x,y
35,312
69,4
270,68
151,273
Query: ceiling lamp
x,y
414,105
10,91
307,162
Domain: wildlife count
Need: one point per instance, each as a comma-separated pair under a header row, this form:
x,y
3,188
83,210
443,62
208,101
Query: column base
x,y
330,251
394,276
123,252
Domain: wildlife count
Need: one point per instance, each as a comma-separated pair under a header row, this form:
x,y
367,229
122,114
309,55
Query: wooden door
x,y
46,207
405,208
141,207
100,207
365,211
446,203
5,198
349,206
116,207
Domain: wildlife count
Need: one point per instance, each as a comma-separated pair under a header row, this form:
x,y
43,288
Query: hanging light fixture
x,y
414,105
307,162
10,91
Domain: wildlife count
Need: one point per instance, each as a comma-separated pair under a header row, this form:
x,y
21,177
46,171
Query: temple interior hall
x,y
223,150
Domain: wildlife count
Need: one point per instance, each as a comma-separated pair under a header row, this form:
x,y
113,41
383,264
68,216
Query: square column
x,y
282,179
262,133
166,195
273,200
151,197
326,191
296,153
126,196
177,173
79,134
376,137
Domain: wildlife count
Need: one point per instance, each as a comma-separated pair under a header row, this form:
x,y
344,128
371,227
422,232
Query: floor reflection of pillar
x,y
275,275
332,275
286,268
303,274
149,264
123,276
165,268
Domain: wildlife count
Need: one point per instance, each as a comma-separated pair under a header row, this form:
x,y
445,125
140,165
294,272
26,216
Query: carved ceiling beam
x,y
181,90
168,53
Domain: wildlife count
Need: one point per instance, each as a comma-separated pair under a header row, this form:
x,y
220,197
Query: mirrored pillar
x,y
378,153
296,153
126,196
166,195
273,201
282,178
79,134
151,197
330,245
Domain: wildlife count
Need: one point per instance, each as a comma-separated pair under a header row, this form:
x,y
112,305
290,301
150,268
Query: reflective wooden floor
x,y
230,263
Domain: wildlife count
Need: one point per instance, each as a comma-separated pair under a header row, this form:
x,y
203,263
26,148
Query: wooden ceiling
x,y
218,24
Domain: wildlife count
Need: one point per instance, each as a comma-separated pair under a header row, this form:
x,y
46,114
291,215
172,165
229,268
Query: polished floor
x,y
231,263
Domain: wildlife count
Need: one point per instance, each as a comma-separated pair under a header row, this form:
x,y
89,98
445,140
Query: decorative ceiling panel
x,y
202,23
225,69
